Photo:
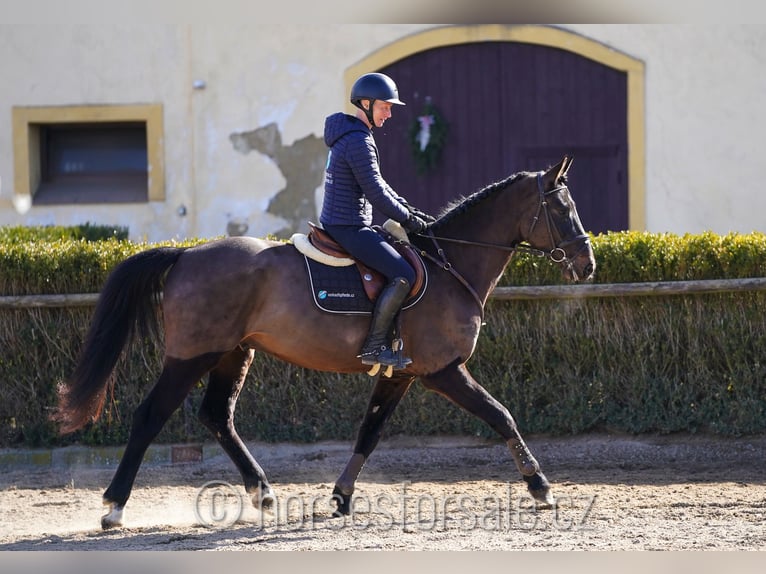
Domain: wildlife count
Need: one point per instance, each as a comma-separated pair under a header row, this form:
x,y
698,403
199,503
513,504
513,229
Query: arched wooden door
x,y
512,106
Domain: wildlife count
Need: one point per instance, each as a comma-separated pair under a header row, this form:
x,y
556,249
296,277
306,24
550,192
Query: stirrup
x,y
370,356
387,356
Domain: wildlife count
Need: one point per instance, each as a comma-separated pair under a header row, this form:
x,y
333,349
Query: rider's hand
x,y
414,224
421,214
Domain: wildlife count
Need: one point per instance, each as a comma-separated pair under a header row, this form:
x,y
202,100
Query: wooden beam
x,y
500,293
31,301
629,289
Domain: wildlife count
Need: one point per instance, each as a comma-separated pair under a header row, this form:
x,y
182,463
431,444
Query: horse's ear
x,y
567,164
558,171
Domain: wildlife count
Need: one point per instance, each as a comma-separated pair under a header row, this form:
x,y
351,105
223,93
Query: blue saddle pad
x,y
338,289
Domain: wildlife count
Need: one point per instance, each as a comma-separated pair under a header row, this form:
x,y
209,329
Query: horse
x,y
219,302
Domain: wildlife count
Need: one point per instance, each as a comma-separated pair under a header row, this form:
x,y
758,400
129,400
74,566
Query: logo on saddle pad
x,y
322,295
340,284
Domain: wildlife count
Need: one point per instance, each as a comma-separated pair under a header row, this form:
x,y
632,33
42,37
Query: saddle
x,y
372,280
333,272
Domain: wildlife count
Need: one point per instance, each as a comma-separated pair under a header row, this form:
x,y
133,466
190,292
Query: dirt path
x,y
614,493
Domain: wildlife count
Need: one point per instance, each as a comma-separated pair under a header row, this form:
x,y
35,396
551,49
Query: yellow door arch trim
x,y
543,36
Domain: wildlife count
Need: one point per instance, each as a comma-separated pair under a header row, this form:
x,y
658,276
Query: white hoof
x,y
113,518
264,499
543,499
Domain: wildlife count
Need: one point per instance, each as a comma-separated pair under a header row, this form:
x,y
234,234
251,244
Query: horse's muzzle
x,y
581,266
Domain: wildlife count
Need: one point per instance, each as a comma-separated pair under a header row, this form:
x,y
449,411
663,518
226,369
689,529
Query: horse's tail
x,y
129,301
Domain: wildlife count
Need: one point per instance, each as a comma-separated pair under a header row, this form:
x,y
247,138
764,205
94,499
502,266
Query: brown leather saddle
x,y
372,280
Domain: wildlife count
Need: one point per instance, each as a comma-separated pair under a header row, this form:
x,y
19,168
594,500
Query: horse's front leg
x,y
384,398
456,383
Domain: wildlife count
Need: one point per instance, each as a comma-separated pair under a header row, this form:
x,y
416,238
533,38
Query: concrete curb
x,y
103,457
109,457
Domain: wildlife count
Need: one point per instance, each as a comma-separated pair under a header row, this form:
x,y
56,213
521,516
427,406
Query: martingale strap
x,y
447,266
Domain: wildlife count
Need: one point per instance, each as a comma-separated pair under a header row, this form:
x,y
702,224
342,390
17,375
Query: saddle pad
x,y
340,289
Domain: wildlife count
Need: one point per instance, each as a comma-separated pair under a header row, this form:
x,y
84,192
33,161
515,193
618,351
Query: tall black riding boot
x,y
377,347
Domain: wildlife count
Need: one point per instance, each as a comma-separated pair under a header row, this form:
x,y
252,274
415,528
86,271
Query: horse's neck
x,y
482,263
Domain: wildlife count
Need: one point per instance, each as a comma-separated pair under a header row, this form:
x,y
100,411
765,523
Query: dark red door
x,y
511,107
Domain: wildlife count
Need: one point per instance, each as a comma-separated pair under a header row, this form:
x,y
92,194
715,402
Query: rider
x,y
353,187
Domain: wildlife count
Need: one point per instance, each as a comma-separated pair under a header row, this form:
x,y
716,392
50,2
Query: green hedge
x,y
656,364
628,257
86,231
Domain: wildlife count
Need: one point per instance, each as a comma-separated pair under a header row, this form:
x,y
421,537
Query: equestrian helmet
x,y
375,86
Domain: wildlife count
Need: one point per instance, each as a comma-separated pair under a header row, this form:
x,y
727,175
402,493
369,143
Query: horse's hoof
x,y
264,498
342,503
544,498
113,518
540,490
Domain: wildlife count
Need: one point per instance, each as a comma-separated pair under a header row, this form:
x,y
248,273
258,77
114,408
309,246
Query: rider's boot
x,y
377,346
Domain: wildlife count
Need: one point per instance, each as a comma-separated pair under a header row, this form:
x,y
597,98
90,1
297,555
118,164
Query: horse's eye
x,y
558,203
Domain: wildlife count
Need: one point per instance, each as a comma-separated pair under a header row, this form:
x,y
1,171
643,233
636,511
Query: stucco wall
x,y
704,148
255,76
236,149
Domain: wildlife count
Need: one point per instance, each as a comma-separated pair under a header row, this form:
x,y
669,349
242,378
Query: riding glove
x,y
414,224
421,214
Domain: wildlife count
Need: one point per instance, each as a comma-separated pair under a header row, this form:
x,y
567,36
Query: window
x,y
92,163
89,154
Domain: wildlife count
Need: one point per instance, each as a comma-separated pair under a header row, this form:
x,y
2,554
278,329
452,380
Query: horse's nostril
x,y
588,271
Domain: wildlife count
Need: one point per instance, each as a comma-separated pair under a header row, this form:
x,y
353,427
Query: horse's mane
x,y
462,204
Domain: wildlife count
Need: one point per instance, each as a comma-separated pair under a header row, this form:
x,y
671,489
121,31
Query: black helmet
x,y
375,86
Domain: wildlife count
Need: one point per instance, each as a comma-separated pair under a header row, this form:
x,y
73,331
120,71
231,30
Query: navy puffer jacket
x,y
353,183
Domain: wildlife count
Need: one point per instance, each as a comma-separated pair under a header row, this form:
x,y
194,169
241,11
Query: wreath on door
x,y
428,134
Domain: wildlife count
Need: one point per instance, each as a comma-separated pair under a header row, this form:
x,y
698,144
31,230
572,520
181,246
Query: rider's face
x,y
381,111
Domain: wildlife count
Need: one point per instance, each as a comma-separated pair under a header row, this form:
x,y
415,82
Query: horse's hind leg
x,y
457,384
384,398
174,383
217,414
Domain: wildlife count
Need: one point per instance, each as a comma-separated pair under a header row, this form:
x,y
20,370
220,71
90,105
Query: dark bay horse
x,y
224,300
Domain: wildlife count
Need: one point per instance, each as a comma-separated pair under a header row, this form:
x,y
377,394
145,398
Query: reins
x,y
447,266
557,254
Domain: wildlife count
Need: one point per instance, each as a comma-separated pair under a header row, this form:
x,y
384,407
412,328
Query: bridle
x,y
557,253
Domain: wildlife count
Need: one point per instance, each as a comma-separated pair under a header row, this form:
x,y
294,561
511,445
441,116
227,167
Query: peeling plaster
x,y
302,165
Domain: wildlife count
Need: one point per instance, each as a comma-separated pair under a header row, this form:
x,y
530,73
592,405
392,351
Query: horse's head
x,y
555,227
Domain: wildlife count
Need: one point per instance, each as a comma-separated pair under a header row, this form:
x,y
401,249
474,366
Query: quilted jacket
x,y
353,184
